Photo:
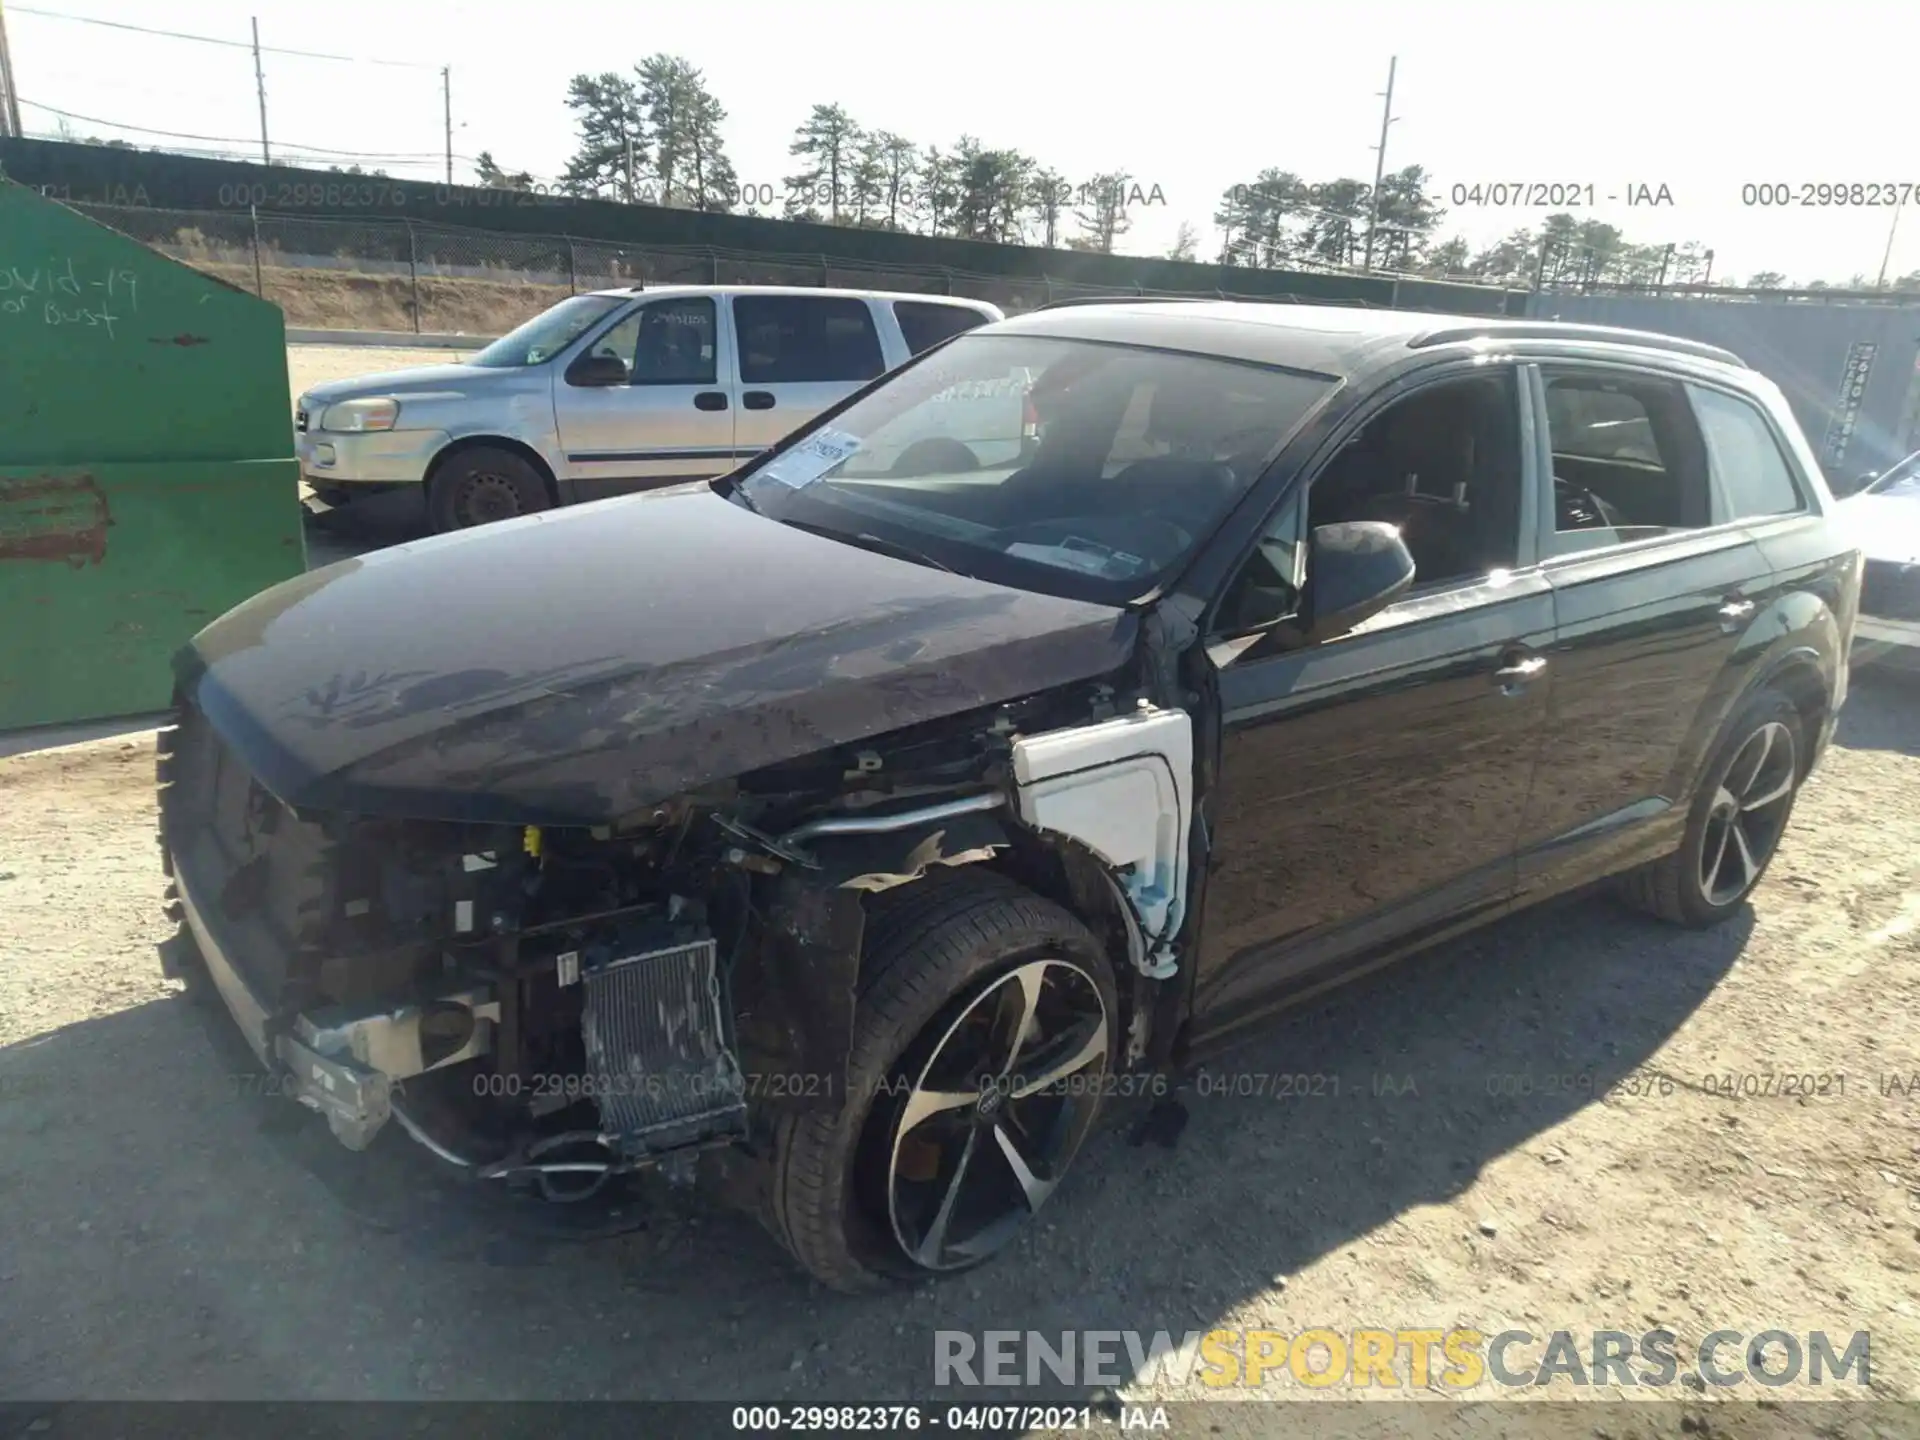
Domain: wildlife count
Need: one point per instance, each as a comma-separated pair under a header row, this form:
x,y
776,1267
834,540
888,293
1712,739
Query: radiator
x,y
658,1064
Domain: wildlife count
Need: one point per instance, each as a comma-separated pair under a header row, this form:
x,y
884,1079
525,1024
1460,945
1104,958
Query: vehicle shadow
x,y
254,1257
1881,707
369,524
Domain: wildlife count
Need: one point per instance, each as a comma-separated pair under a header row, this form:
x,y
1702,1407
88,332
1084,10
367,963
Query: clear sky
x,y
1697,95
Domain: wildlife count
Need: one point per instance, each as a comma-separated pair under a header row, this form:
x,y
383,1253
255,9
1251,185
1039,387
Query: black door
x,y
1653,593
1370,789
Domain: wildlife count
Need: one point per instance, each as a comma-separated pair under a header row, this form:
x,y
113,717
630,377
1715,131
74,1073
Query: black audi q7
x,y
861,822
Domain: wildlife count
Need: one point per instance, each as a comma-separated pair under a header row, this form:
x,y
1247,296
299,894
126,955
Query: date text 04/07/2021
x,y
1558,194
907,1419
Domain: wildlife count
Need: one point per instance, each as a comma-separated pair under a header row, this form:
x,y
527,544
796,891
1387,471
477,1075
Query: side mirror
x,y
1863,480
597,370
1355,569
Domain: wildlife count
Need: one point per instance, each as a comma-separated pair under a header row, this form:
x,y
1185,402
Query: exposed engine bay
x,y
553,1006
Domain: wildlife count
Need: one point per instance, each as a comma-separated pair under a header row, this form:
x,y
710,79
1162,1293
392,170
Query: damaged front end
x,y
555,1005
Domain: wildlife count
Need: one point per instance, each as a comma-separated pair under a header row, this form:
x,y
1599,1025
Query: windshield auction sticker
x,y
811,458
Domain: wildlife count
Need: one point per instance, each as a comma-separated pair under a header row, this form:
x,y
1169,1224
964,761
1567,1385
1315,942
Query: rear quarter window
x,y
924,324
1754,478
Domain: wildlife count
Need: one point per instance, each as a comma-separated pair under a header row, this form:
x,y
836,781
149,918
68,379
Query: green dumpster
x,y
147,478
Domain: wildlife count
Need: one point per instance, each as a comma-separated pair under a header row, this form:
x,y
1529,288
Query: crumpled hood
x,y
573,666
1886,527
440,380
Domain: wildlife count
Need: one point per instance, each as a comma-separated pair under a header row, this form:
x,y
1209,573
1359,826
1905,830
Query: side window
x,y
1754,476
787,339
666,342
1441,464
924,325
674,345
1628,459
618,342
1600,423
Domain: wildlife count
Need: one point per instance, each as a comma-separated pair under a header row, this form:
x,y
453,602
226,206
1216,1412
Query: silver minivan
x,y
612,391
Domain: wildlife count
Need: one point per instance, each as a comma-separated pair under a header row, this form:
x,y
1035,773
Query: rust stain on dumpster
x,y
54,517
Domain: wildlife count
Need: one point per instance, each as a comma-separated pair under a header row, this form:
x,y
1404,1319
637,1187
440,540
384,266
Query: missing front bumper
x,y
345,1063
661,1069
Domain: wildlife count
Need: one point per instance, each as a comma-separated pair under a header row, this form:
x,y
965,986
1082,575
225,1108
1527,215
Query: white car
x,y
620,390
1885,521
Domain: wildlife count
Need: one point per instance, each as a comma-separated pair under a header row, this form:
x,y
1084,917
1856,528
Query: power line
x,y
230,140
216,40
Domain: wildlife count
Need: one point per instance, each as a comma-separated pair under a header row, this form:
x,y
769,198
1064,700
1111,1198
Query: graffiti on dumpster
x,y
54,517
55,294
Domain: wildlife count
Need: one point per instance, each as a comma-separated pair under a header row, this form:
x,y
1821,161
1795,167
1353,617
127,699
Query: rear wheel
x,y
985,1026
1736,822
482,485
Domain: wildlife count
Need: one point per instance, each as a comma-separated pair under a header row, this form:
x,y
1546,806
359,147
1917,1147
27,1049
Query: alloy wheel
x,y
996,1113
1748,813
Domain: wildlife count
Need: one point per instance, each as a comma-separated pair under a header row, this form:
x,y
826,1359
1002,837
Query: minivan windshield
x,y
548,333
1075,468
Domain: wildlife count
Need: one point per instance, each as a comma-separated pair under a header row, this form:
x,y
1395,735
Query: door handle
x,y
710,400
757,399
1513,677
1733,612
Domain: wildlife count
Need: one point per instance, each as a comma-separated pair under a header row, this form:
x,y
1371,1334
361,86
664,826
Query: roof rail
x,y
1125,300
1567,330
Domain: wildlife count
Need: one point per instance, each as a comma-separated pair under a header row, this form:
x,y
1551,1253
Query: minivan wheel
x,y
984,1028
1736,822
482,485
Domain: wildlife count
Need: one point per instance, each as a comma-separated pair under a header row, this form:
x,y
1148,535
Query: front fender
x,y
1795,642
523,418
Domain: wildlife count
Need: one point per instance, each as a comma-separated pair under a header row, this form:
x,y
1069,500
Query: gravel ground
x,y
169,1232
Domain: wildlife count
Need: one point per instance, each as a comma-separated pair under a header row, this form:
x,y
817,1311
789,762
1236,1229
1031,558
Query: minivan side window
x,y
1754,476
665,342
1628,459
924,325
787,339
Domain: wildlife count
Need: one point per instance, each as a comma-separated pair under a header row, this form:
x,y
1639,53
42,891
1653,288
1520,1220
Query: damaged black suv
x,y
1018,731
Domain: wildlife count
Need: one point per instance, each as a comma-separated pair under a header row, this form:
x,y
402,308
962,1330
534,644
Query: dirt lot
x,y
171,1232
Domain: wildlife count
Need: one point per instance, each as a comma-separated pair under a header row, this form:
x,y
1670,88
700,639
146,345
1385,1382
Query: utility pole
x,y
260,84
446,103
9,97
1380,163
629,169
1886,255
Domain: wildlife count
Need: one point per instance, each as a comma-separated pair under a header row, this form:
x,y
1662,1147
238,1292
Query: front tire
x,y
985,1024
482,485
1738,816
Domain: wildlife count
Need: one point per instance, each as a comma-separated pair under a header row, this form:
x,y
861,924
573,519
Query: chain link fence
x,y
407,276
